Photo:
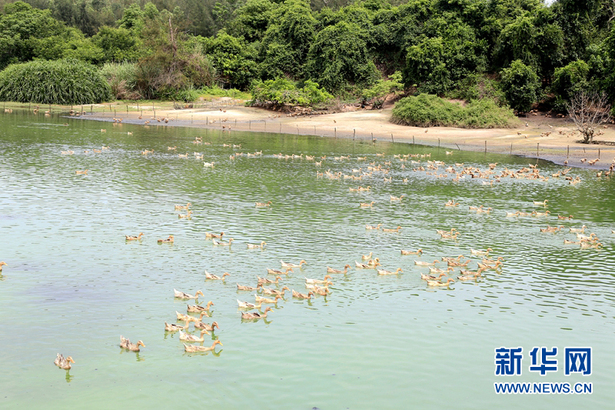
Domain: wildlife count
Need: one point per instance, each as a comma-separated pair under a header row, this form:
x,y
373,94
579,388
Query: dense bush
x,y
53,82
379,91
476,87
122,78
521,86
283,92
427,110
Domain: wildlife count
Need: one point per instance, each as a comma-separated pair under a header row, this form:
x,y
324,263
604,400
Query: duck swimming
x,y
193,349
181,295
63,363
255,315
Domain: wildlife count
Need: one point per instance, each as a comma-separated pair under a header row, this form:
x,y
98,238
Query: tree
x,y
588,111
339,57
436,64
20,26
232,57
570,79
287,40
520,84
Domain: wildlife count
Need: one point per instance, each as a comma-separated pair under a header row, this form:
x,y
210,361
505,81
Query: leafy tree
x,y
570,79
287,40
520,84
437,64
20,28
534,39
252,20
118,44
338,57
232,57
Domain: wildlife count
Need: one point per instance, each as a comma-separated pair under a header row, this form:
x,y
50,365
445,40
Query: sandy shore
x,y
529,139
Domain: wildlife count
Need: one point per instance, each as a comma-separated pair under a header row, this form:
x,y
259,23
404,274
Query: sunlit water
x,y
73,285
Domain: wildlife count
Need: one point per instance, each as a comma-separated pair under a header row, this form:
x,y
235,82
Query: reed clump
x,y
66,82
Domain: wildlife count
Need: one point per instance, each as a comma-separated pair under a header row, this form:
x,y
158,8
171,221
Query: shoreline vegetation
x,y
536,136
471,64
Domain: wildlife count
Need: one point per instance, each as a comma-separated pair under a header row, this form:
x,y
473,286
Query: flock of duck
x,y
438,273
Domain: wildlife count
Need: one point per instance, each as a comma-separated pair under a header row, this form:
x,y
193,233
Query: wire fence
x,y
211,115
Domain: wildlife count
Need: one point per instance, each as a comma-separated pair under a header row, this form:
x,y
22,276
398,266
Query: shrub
x,y
379,91
476,87
520,84
122,79
427,110
54,82
283,92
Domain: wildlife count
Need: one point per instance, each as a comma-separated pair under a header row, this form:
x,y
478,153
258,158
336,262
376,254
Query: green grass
x,y
213,92
427,110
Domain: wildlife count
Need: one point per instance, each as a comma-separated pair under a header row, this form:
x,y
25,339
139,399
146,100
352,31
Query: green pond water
x,y
73,284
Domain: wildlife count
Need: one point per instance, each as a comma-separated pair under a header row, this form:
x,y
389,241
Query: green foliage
x,y
171,69
570,79
339,57
53,82
476,87
437,64
535,39
427,110
117,44
521,86
232,57
122,78
287,40
378,92
283,92
69,44
252,20
21,26
215,91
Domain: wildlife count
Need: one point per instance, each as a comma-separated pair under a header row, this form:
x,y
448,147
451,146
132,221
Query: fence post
x,y
485,146
511,148
598,152
392,140
297,130
265,126
354,133
438,144
538,149
280,128
413,140
250,125
568,152
335,132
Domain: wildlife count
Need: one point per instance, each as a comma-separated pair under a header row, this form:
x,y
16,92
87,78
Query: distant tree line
x,y
514,52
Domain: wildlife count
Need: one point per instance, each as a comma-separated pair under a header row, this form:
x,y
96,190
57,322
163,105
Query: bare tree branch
x,y
588,111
